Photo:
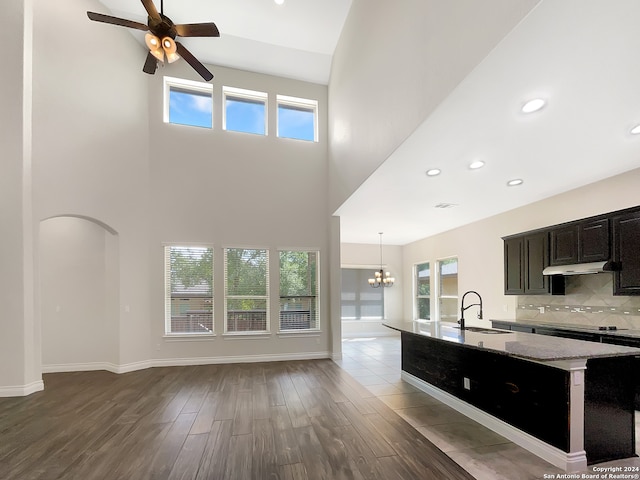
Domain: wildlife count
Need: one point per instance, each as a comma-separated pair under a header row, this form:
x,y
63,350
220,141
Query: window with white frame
x,y
299,290
246,301
297,118
358,300
244,110
188,290
448,289
423,291
188,103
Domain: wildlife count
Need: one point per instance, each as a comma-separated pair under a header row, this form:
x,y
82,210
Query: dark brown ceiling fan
x,y
160,37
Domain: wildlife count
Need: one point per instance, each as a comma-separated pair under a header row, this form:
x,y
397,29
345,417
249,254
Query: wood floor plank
x,y
287,448
368,464
170,447
378,444
259,393
297,412
282,420
206,415
264,455
239,462
214,458
243,415
342,464
187,464
296,471
313,456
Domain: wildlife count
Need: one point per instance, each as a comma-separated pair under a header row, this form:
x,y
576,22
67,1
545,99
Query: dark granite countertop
x,y
516,344
620,332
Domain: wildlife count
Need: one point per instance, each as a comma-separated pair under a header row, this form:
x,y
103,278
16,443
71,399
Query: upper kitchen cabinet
x,y
525,257
580,242
514,266
626,253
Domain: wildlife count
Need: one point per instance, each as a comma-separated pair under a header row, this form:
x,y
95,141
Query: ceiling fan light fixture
x,y
153,44
170,48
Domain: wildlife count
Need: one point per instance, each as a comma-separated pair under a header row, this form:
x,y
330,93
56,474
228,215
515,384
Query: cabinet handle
x,y
513,388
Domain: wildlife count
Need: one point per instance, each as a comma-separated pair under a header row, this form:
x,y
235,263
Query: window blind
x,y
188,289
246,273
299,290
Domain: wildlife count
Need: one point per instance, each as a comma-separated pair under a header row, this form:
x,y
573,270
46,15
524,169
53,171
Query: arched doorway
x,y
79,294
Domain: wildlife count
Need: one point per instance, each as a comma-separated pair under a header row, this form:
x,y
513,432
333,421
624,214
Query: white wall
x,y
103,154
368,256
479,245
230,189
75,278
90,131
395,62
19,372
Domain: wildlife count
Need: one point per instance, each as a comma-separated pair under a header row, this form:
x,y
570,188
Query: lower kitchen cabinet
x,y
567,332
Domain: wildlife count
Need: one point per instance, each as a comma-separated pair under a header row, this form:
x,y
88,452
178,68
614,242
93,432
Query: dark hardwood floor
x,y
282,420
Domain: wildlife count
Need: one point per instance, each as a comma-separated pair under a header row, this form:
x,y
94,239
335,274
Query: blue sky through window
x,y
296,122
244,115
190,108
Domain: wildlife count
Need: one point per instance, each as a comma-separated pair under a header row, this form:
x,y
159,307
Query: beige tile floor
x,y
375,363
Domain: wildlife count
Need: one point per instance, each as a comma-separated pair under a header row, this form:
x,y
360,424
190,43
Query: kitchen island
x,y
568,401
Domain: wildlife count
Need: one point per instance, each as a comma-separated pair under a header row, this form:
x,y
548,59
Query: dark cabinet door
x,y
536,258
564,245
514,266
593,241
626,254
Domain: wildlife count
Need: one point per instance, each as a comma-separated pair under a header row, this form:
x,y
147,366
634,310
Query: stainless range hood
x,y
580,268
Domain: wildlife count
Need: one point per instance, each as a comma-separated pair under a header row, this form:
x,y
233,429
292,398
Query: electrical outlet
x,y
466,383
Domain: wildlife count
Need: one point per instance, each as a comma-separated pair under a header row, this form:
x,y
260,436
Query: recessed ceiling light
x,y
635,130
433,172
477,164
533,105
279,2
515,182
444,205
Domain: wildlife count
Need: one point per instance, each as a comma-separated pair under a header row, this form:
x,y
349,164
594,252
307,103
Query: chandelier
x,y
381,278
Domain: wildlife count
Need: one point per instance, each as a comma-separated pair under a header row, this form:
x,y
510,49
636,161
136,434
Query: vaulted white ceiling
x,y
580,56
294,40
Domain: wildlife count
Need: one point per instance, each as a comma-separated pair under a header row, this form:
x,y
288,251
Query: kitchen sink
x,y
488,331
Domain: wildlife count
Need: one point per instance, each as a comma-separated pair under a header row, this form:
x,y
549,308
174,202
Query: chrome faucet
x,y
463,308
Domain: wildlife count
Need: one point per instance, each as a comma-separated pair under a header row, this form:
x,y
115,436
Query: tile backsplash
x,y
588,300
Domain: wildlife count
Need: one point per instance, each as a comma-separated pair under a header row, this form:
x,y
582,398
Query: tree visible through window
x,y
423,291
448,289
298,290
188,290
246,274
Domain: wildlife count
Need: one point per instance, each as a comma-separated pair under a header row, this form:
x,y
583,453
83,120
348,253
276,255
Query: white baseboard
x,y
280,357
22,390
570,462
372,333
179,362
